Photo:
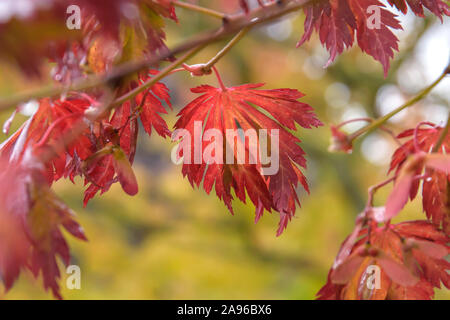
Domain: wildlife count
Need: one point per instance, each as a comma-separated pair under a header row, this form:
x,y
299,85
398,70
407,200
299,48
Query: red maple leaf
x,y
410,257
35,217
14,243
150,106
52,120
436,183
46,219
97,153
120,134
437,7
337,21
241,110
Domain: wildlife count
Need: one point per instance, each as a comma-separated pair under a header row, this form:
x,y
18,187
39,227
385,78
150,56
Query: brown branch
x,y
196,8
382,120
231,25
165,72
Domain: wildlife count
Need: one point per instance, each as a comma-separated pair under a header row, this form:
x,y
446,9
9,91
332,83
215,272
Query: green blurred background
x,y
174,242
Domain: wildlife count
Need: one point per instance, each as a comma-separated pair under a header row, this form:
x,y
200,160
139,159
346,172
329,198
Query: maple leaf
x,y
45,127
337,21
115,141
14,244
120,134
378,41
47,217
35,217
56,119
436,182
404,184
241,111
150,105
410,257
105,167
437,7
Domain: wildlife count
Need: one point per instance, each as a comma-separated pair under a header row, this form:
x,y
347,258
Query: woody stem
x,y
226,49
231,25
196,8
380,121
222,86
375,188
150,82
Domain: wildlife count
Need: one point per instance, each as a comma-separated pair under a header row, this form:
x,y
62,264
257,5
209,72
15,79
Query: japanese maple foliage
x,y
411,256
338,21
241,108
435,188
109,24
32,219
90,130
101,153
439,8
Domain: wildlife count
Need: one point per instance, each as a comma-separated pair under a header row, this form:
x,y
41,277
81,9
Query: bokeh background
x,y
173,242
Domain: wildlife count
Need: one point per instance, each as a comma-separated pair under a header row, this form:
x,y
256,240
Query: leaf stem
x,y
417,147
380,121
370,120
196,8
374,189
226,49
219,78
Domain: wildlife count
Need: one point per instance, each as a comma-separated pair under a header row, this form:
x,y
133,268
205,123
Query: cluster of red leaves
x,y
31,220
117,140
338,21
438,7
43,31
436,183
242,108
110,28
410,255
62,140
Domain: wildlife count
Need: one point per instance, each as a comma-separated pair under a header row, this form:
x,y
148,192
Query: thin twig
x,y
232,24
226,49
166,71
380,121
196,8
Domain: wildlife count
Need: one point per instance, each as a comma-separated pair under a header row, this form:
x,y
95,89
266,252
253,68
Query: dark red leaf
x,y
242,109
